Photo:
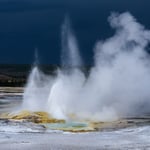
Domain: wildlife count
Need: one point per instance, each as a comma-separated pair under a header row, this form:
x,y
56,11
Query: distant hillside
x,y
16,75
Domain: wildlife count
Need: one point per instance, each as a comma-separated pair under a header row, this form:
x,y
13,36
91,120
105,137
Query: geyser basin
x,y
43,118
116,87
42,121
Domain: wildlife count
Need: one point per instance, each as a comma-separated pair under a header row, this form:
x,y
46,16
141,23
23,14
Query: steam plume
x,y
117,85
70,52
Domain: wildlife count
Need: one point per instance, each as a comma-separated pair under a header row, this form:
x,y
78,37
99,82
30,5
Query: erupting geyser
x,y
117,85
70,52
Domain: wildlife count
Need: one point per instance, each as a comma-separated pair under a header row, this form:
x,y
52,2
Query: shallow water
x,y
9,101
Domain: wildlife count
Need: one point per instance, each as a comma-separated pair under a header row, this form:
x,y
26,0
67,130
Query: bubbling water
x,y
117,85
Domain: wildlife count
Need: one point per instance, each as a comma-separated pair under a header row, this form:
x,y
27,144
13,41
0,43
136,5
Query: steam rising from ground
x,y
70,51
117,86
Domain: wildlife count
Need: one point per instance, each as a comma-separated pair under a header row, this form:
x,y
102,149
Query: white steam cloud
x,y
117,86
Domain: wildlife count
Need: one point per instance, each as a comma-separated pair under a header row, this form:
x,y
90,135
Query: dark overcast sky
x,y
26,24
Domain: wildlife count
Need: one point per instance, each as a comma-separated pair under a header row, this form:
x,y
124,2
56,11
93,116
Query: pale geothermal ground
x,y
29,136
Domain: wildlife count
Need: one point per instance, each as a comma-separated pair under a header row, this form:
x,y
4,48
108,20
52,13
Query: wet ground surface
x,y
131,138
10,98
28,136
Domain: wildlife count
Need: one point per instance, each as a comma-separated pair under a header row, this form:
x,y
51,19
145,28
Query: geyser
x,y
117,85
70,56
